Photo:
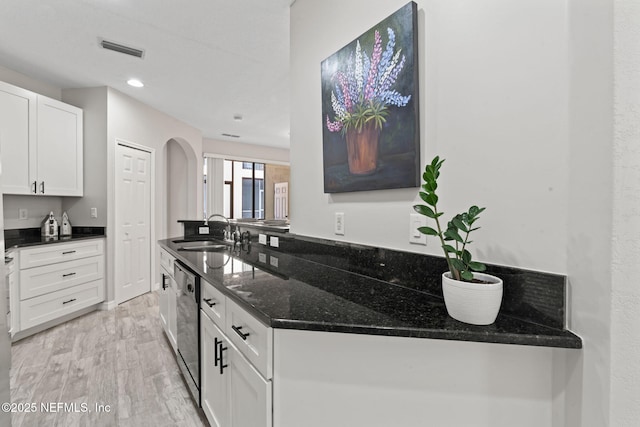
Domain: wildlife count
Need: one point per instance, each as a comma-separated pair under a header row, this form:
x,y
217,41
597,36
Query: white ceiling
x,y
205,60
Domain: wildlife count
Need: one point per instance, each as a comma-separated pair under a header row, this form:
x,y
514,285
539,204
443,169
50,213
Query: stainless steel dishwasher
x,y
188,322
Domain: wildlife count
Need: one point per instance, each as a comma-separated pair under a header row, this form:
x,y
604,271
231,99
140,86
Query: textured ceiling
x,y
205,60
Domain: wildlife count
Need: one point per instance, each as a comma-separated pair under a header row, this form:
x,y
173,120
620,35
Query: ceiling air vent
x,y
106,44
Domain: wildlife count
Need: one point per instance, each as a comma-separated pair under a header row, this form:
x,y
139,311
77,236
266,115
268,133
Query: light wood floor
x,y
119,358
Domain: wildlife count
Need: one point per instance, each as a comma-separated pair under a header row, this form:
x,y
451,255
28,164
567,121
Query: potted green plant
x,y
470,295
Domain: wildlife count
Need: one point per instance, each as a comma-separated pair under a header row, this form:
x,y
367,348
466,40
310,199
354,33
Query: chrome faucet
x,y
206,221
227,229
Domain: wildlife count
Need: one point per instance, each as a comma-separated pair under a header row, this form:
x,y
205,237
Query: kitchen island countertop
x,y
290,292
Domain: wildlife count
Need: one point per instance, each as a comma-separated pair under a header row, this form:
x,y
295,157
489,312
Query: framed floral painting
x,y
370,117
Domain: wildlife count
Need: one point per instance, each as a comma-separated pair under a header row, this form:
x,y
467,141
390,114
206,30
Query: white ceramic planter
x,y
474,303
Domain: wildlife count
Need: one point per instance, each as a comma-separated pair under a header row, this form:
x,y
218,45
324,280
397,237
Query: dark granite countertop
x,y
19,238
290,292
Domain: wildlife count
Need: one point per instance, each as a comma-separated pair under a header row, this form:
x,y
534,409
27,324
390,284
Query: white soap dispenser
x,y
65,228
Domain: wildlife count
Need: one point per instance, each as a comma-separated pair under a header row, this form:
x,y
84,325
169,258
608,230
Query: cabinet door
x,y
250,395
213,384
172,313
163,302
59,148
17,138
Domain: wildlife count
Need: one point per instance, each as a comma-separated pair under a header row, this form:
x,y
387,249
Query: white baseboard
x,y
108,305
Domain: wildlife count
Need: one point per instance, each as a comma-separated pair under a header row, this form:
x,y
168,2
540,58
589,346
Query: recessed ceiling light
x,y
135,83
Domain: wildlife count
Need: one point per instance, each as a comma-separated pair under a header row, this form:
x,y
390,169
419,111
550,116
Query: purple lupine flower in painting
x,y
367,81
369,90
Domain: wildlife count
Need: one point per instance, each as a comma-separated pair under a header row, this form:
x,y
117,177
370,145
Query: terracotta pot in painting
x,y
362,149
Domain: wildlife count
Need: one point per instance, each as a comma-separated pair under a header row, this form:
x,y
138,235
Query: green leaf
x,y
450,249
474,211
452,234
428,231
457,221
477,266
424,210
466,275
432,199
457,264
432,186
425,197
466,256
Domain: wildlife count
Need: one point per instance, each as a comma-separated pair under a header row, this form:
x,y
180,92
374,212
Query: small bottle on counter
x,y
65,228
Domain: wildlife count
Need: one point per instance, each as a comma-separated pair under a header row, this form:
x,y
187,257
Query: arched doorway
x,y
181,174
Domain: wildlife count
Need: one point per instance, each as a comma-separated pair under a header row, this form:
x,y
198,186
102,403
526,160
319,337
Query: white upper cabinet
x,y
17,138
41,144
59,148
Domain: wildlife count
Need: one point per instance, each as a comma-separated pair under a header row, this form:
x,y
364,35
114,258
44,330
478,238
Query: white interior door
x,y
133,219
281,200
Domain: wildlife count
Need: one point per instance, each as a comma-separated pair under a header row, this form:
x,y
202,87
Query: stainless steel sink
x,y
201,245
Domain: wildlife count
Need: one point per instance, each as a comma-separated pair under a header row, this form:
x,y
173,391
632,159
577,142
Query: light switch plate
x,y
94,212
338,225
273,261
415,236
262,239
274,241
262,257
23,214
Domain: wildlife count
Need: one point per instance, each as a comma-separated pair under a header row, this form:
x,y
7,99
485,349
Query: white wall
x,y
132,121
235,150
493,86
26,82
37,208
93,102
177,189
518,97
625,301
113,116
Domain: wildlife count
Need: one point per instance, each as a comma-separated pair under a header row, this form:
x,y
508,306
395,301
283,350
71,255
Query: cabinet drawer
x,y
47,307
59,252
252,338
50,278
213,302
166,262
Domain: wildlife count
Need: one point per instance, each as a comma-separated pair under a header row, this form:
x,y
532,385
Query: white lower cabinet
x,y
214,385
233,393
56,280
249,393
167,299
168,309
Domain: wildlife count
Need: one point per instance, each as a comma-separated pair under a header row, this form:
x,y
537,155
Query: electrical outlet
x,y
338,225
415,236
24,214
94,212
